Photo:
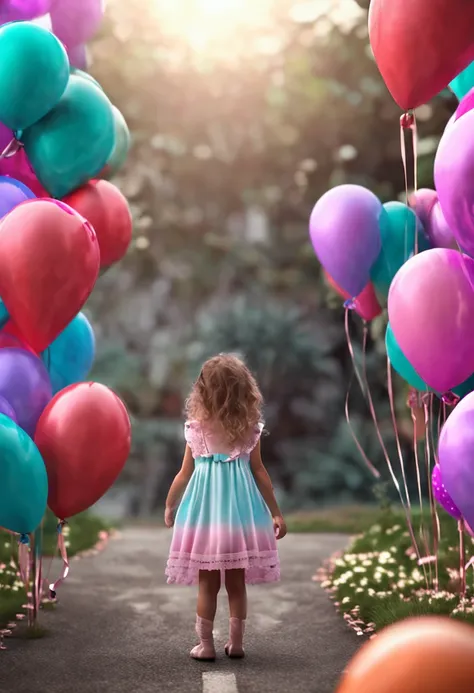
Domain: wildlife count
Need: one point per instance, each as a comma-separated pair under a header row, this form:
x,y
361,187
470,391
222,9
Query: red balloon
x,y
420,45
366,304
10,337
104,206
49,262
84,436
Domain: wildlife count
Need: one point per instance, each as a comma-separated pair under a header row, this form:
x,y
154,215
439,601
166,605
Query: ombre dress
x,y
222,522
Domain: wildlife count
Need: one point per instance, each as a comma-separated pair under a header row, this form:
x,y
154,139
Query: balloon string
x,y
368,463
408,122
395,429
11,149
63,553
427,407
462,559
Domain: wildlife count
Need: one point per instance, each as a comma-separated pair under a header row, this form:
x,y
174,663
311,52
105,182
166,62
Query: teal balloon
x,y
465,388
464,82
398,230
70,357
401,364
71,144
34,72
85,75
122,145
23,480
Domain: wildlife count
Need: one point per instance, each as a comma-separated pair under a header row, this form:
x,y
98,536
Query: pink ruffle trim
x,y
260,567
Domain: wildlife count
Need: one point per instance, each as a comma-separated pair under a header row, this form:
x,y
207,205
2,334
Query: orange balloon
x,y
104,206
419,655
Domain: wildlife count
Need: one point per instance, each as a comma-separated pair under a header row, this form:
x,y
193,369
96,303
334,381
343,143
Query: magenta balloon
x,y
75,22
21,10
466,104
454,173
344,230
456,456
78,57
18,167
6,136
24,383
441,494
431,313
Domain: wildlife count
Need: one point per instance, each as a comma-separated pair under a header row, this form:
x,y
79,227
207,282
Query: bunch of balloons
x,y
63,442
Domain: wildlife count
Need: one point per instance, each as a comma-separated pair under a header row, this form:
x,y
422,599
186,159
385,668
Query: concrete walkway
x,y
119,628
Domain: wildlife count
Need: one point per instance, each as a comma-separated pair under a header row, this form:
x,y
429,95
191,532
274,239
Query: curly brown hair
x,y
226,392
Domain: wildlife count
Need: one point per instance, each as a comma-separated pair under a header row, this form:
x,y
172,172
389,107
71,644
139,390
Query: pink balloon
x,y
425,203
466,104
431,312
366,304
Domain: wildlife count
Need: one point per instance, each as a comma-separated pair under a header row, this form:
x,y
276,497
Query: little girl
x,y
228,519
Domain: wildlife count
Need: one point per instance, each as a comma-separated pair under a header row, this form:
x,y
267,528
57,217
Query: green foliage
x,y
378,579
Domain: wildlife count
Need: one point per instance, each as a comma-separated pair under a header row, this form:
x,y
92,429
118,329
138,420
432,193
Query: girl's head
x,y
226,392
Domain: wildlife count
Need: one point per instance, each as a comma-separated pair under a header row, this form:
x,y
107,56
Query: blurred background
x,y
244,112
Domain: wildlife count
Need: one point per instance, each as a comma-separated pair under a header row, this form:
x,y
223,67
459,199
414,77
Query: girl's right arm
x,y
178,486
264,484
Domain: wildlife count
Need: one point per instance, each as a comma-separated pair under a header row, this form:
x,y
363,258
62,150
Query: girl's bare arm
x,y
264,484
178,486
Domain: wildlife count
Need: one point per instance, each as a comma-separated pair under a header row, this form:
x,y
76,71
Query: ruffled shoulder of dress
x,y
194,437
254,438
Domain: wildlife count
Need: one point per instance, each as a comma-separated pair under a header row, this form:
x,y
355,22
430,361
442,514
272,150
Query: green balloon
x,y
464,82
34,72
71,144
85,75
401,364
122,145
398,229
24,482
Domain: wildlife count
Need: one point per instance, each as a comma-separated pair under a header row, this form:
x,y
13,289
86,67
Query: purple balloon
x,y
12,193
456,456
454,173
74,23
21,10
25,385
441,495
7,409
78,57
344,231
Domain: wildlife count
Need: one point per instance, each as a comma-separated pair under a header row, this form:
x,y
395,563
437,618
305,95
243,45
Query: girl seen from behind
x,y
228,520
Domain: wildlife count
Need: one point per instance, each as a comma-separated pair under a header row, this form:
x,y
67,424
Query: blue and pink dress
x,y
222,522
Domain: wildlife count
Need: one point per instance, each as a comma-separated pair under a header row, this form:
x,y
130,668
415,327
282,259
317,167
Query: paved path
x,y
119,628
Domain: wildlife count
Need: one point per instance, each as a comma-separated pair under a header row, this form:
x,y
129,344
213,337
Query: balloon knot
x,y
407,120
61,525
450,399
24,539
413,400
349,304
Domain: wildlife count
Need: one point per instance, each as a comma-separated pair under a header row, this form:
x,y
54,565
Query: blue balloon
x,y
12,193
398,230
464,82
70,357
23,480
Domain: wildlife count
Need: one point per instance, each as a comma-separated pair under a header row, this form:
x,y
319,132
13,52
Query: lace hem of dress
x,y
259,566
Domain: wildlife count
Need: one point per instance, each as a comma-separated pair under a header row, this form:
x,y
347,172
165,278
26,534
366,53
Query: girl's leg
x,y
209,586
237,593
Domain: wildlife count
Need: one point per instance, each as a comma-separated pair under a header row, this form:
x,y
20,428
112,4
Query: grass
x,y
378,580
81,534
347,519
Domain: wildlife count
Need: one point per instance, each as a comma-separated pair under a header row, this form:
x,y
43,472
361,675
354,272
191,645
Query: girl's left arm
x,y
178,486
